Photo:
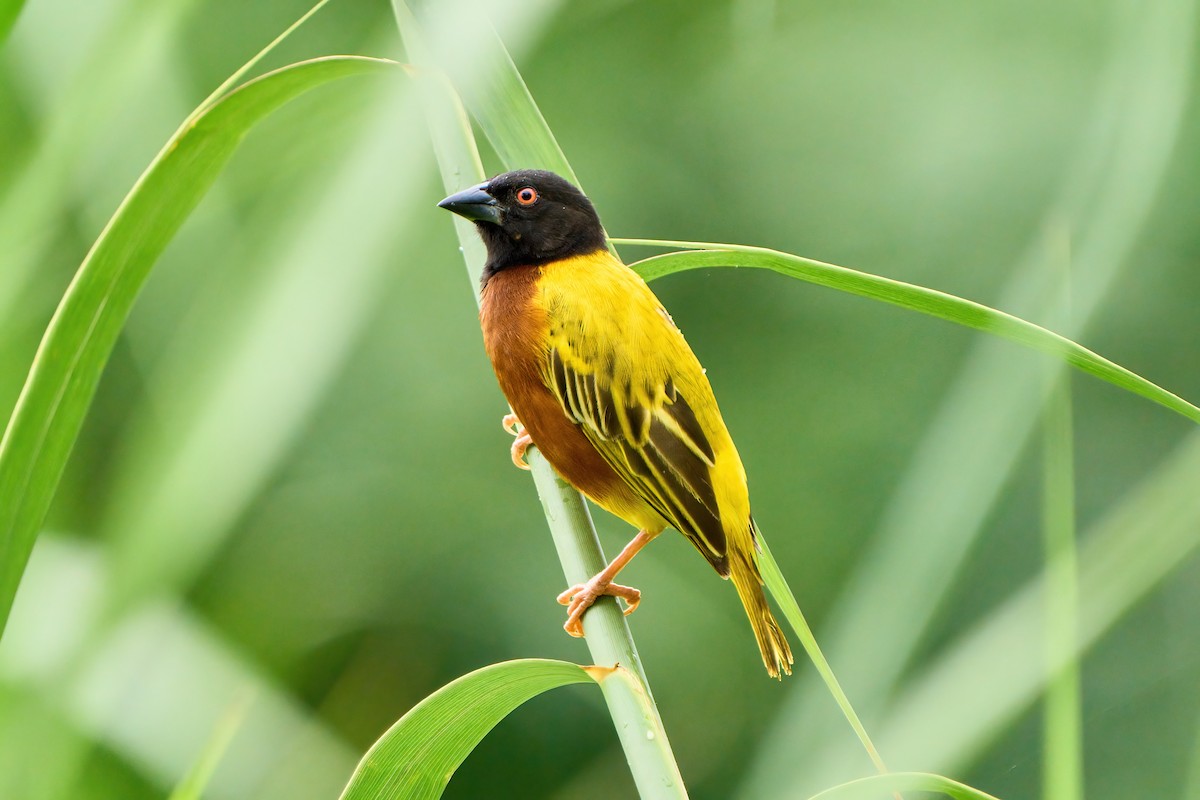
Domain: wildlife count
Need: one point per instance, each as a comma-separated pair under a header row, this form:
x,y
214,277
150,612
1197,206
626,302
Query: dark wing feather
x,y
650,436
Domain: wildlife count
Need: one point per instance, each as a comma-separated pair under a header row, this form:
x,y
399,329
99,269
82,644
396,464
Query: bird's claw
x,y
510,423
519,446
580,597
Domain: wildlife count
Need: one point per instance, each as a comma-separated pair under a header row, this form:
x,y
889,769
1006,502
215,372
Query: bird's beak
x,y
474,204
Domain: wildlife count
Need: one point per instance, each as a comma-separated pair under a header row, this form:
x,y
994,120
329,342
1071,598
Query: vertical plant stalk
x,y
1062,777
638,724
1062,724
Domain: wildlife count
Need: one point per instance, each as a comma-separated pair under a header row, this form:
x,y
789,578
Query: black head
x,y
529,217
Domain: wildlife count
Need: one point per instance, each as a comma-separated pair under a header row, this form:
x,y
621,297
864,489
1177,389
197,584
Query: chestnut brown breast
x,y
514,335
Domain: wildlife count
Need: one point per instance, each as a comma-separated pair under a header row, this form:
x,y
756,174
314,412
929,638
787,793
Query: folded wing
x,y
645,426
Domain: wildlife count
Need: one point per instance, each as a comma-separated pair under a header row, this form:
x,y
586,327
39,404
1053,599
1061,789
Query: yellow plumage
x,y
608,390
622,371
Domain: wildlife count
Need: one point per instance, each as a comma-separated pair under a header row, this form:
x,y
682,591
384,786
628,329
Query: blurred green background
x,y
293,485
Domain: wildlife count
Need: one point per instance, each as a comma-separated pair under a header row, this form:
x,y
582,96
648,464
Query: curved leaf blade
x,y
878,785
417,756
9,11
778,586
906,295
81,335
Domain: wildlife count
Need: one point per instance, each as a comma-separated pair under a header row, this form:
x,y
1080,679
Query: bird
x,y
601,381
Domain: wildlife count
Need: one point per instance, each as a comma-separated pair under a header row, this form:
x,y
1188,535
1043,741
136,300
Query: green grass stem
x,y
195,782
635,716
1062,713
1062,720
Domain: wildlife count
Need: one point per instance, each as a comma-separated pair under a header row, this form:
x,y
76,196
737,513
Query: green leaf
x,y
906,295
942,717
877,786
196,780
507,113
778,587
81,335
502,104
510,118
635,716
9,11
417,756
513,123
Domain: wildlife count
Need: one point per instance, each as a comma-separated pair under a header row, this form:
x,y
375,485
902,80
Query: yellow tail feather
x,y
776,654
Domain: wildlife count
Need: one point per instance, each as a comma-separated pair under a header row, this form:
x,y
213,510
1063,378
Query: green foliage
x,y
915,298
197,779
639,726
81,336
871,788
418,755
1063,718
9,11
926,152
778,588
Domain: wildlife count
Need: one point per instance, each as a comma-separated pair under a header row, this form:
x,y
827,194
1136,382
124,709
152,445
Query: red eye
x,y
527,196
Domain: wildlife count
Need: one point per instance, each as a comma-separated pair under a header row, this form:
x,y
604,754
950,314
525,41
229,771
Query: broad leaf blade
x,y
417,756
81,335
907,295
878,786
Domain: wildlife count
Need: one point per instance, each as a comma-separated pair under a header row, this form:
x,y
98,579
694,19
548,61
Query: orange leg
x,y
579,598
510,423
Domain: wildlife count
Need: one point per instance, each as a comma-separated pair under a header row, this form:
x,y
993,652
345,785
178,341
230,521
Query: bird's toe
x,y
519,446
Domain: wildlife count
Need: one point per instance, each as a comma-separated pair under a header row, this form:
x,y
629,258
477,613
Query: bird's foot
x,y
580,597
518,451
510,423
